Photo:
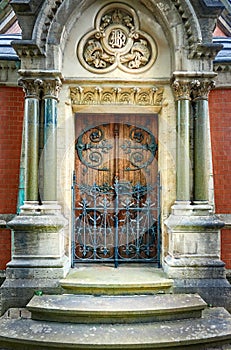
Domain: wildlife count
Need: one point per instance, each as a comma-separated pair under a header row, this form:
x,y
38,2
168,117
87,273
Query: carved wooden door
x,y
115,190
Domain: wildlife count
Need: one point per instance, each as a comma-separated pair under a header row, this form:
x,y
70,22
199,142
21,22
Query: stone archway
x,y
48,52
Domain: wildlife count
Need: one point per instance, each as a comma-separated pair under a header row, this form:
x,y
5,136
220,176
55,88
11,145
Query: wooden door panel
x,y
116,164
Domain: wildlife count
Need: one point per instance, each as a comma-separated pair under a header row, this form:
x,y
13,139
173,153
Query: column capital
x,y
182,89
201,88
31,87
51,87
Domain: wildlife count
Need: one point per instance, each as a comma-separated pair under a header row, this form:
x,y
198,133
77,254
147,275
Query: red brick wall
x,y
11,121
220,119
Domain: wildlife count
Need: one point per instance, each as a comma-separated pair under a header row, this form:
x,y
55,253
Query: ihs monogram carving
x,y
117,41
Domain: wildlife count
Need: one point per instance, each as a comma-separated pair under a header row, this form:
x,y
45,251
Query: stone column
x,y
200,90
50,96
31,138
182,96
38,257
193,258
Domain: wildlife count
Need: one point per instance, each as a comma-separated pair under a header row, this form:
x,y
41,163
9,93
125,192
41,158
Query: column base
x,y
193,261
38,259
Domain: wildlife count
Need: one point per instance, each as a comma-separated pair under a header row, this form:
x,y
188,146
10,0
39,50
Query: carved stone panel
x,y
111,95
117,42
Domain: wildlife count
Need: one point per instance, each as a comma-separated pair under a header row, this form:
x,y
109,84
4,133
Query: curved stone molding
x,y
117,41
141,96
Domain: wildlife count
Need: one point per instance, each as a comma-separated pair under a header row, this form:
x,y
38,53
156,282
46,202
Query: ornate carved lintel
x,y
93,95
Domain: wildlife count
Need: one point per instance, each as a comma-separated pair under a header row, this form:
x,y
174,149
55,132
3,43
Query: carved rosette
x,y
201,89
31,87
117,42
142,96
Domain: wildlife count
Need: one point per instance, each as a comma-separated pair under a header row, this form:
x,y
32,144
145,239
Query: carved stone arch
x,y
56,18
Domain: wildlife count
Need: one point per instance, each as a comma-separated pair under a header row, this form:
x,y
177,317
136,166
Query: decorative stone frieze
x,y
201,89
93,95
117,42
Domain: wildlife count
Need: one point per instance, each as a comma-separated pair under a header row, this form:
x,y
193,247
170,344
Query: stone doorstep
x,y
123,280
213,329
114,309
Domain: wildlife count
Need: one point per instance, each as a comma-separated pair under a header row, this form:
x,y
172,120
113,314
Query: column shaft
x,y
200,90
50,150
201,150
182,90
31,148
183,160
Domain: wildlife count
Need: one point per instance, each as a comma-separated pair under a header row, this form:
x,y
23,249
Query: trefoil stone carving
x,y
117,42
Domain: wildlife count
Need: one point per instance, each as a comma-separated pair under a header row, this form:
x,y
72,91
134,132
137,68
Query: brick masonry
x,y
11,121
220,119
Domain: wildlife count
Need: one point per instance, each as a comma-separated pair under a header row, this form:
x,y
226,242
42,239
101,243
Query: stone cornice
x,y
27,48
222,67
205,51
9,71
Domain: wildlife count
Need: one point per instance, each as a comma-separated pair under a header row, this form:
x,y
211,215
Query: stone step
x,y
115,309
105,280
212,329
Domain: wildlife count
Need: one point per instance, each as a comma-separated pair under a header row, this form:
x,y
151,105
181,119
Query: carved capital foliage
x,y
31,87
117,42
51,88
201,89
182,89
37,88
93,95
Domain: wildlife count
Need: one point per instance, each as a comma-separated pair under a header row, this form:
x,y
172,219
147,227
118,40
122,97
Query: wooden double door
x,y
115,188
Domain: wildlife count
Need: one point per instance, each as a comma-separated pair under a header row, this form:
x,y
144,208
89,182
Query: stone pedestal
x,y
38,259
193,260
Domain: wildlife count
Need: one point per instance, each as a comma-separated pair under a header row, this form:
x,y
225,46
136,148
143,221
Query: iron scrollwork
x,y
139,149
91,153
140,152
117,223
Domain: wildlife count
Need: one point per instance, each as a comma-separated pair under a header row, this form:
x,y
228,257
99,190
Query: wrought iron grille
x,y
117,223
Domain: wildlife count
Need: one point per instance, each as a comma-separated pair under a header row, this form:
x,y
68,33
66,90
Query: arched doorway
x,y
116,205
